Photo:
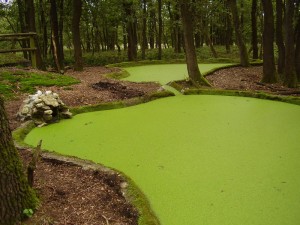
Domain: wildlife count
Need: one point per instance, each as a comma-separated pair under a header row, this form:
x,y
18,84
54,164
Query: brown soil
x,y
72,195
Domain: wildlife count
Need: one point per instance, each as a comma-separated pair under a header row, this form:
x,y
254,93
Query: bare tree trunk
x,y
297,50
77,10
238,33
269,71
15,193
279,36
144,32
190,50
159,29
21,12
254,29
30,19
290,73
56,50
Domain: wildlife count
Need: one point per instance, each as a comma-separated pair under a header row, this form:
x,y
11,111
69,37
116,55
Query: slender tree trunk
x,y
160,29
254,29
297,50
229,29
152,25
279,36
77,10
238,33
30,12
144,31
56,45
290,74
21,12
269,71
15,193
44,30
61,29
190,50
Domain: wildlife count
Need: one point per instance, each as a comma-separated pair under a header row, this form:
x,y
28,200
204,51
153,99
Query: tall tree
x,y
77,10
30,20
131,29
159,42
244,60
254,29
290,73
269,71
144,31
15,193
190,50
56,42
297,50
21,12
279,36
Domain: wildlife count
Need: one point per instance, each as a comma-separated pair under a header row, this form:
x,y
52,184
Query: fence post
x,y
32,53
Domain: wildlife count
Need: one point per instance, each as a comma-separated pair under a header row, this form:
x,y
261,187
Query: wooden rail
x,y
21,36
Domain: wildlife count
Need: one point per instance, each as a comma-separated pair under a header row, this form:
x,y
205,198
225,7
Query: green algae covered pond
x,y
165,73
199,159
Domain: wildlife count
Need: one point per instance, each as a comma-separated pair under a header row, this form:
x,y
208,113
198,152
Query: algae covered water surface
x,y
199,159
165,73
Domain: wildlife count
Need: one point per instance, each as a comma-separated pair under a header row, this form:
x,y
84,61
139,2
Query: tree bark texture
x,y
279,36
290,73
190,50
269,71
77,10
15,193
238,33
30,19
56,44
144,31
254,29
131,30
160,29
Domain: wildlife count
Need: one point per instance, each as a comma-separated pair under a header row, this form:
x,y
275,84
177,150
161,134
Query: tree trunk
x,y
144,31
43,29
254,29
269,71
30,19
290,74
238,33
279,36
15,193
190,50
297,50
159,30
56,50
131,30
229,29
61,29
77,10
152,25
22,25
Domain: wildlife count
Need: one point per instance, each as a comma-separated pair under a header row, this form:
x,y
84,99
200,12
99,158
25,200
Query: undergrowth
x,y
12,81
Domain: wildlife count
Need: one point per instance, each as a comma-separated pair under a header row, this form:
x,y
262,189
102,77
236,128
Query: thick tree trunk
x,y
131,30
30,19
238,33
290,73
254,29
190,50
269,71
77,10
160,29
15,193
43,28
279,36
152,25
56,50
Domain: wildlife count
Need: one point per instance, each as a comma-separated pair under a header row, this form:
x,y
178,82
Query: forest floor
x,y
72,195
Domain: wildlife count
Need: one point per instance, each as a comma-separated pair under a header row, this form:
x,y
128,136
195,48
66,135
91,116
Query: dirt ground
x,y
71,195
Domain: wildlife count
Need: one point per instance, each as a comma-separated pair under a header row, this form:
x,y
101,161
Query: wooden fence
x,y
20,37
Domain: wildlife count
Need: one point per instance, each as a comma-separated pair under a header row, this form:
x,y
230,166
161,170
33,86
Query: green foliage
x,y
12,81
28,212
12,59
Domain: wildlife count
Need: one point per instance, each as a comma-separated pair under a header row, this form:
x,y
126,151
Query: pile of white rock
x,y
43,108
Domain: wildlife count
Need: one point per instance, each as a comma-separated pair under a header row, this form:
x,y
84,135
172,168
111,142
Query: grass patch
x,y
25,82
